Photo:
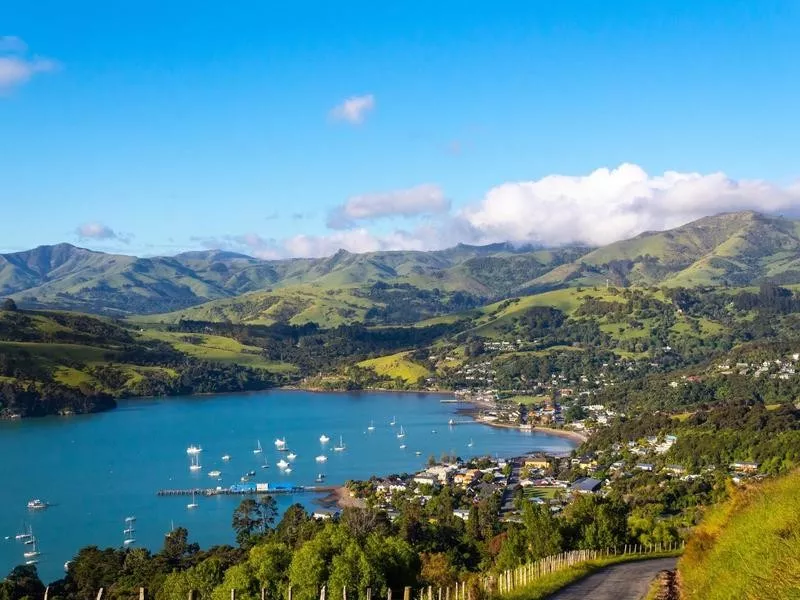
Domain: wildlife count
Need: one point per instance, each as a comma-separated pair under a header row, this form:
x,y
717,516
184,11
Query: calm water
x,y
98,469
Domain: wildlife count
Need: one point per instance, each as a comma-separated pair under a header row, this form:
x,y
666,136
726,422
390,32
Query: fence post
x,y
344,592
192,595
263,593
100,594
369,593
406,593
233,594
289,593
389,594
322,593
141,594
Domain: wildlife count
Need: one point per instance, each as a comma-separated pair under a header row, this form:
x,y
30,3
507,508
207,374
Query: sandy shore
x,y
341,497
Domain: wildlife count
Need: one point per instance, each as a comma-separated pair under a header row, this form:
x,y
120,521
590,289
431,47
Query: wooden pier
x,y
323,489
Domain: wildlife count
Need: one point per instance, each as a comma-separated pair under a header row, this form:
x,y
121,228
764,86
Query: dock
x,y
248,490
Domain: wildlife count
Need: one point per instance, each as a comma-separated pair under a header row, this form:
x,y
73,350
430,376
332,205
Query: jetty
x,y
249,489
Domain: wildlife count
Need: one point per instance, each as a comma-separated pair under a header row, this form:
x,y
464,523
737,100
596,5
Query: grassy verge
x,y
748,547
544,586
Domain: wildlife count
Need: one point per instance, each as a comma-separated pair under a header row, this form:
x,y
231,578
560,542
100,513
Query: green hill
x,y
748,547
730,249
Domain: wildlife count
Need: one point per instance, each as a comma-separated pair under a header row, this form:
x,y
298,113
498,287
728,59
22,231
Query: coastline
x,y
340,497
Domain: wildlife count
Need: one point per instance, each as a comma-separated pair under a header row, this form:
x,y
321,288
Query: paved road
x,y
626,581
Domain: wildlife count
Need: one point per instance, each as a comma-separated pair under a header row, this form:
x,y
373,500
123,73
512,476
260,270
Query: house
x,y
423,479
744,467
324,514
586,485
466,478
644,466
538,461
461,513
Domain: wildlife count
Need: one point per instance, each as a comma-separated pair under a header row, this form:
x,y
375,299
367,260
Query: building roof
x,y
586,484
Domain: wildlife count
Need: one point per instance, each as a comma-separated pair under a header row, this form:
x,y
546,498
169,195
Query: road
x,y
626,581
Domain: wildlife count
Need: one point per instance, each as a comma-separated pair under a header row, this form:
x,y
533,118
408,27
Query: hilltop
x,y
736,249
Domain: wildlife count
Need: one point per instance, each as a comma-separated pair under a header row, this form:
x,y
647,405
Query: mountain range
x,y
735,249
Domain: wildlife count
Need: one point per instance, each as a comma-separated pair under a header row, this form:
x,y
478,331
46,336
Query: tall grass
x,y
748,547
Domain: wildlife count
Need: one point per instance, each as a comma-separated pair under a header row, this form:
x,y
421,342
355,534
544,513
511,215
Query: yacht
x,y
418,453
280,444
257,449
371,426
433,431
66,566
402,433
24,537
324,439
287,470
470,443
451,422
226,457
282,464
393,422
129,531
266,464
214,473
251,473
36,504
195,466
291,456
320,478
193,504
321,458
340,447
34,551
194,449
402,446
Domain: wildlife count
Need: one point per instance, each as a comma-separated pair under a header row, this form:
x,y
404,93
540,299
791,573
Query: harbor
x,y
249,489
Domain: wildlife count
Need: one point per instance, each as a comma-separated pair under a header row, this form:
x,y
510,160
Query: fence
x,y
490,585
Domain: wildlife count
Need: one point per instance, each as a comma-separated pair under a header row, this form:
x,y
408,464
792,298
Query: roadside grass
x,y
529,400
396,366
747,547
549,584
545,493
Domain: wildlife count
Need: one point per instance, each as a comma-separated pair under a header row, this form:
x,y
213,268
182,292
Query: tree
x,y
22,582
270,567
437,570
8,304
177,547
253,517
541,532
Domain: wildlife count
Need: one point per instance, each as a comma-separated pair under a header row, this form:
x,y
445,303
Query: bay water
x,y
96,470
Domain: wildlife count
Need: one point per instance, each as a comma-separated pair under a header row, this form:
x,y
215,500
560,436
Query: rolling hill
x,y
736,249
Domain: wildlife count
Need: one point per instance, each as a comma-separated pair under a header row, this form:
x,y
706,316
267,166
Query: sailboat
x,y
171,529
194,449
340,447
215,473
226,457
193,503
282,464
25,536
291,456
393,422
266,464
195,466
402,433
129,531
324,439
470,443
257,449
321,458
371,426
287,470
280,444
402,446
32,555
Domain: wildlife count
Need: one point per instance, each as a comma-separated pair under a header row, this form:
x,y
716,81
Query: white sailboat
x,y
402,446
282,464
402,433
291,456
266,464
25,537
340,447
226,457
32,555
470,443
193,504
393,422
371,426
257,449
324,439
129,531
195,466
194,449
321,458
451,422
280,444
287,470
215,473
171,529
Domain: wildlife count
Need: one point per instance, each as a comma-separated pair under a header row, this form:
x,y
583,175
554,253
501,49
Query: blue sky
x,y
295,128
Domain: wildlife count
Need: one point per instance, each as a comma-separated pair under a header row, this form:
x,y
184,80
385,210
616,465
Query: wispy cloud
x,y
426,199
353,110
16,66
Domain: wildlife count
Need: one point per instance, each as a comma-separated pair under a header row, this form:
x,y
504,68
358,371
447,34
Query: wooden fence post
x,y
322,593
46,592
100,594
369,593
141,594
344,592
263,593
389,594
406,593
289,593
192,595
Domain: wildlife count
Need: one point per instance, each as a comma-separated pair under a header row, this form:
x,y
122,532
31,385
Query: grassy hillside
x,y
748,547
396,366
729,249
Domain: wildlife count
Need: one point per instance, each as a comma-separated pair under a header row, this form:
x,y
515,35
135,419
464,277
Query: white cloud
x,y
16,68
96,231
354,109
609,205
424,199
599,208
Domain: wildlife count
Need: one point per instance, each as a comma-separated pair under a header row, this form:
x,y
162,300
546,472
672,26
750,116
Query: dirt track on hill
x,y
626,581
